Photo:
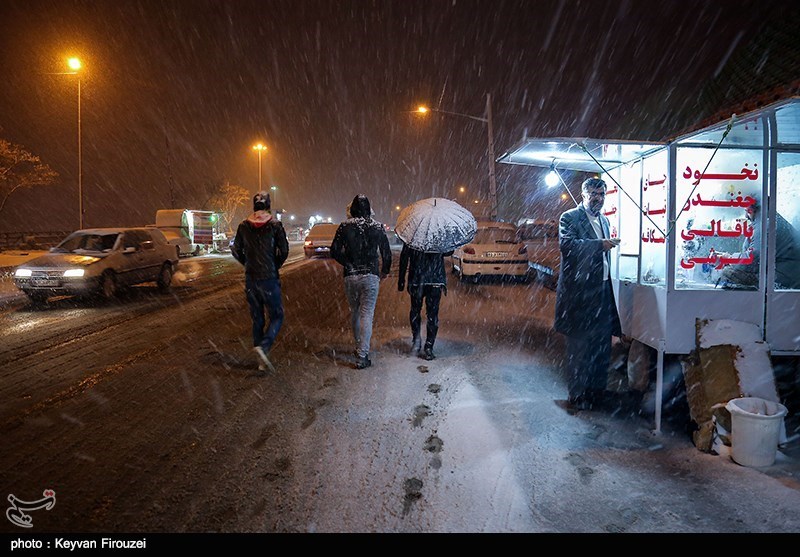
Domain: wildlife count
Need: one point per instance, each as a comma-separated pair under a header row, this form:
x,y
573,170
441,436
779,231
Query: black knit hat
x,y
261,201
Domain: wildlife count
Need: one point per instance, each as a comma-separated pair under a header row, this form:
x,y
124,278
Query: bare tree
x,y
206,193
231,201
21,169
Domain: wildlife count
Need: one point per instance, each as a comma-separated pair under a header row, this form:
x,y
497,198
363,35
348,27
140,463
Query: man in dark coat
x,y
261,246
586,311
357,245
427,281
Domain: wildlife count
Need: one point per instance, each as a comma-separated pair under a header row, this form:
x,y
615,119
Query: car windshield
x,y
495,236
88,242
323,231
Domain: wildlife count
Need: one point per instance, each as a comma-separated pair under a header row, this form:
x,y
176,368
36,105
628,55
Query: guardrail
x,y
31,240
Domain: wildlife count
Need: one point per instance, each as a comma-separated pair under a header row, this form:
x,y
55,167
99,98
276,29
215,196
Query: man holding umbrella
x,y
430,230
427,281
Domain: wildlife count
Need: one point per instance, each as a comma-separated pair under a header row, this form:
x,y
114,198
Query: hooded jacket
x,y
360,241
261,246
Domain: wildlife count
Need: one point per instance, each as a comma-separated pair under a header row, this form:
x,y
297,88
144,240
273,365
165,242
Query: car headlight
x,y
74,273
22,273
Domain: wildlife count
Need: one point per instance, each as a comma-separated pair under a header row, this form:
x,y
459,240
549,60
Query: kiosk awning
x,y
566,153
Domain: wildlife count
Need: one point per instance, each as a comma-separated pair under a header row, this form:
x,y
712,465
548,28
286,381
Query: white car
x,y
495,251
544,255
183,245
99,261
319,239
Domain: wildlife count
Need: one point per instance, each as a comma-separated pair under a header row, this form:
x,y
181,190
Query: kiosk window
x,y
718,230
787,223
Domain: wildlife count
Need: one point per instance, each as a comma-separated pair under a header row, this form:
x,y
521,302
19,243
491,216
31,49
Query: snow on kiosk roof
x,y
688,249
574,153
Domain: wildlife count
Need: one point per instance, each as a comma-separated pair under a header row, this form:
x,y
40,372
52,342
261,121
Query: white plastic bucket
x,y
755,430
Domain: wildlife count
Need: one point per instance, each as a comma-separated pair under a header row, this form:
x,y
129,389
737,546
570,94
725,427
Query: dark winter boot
x,y
363,362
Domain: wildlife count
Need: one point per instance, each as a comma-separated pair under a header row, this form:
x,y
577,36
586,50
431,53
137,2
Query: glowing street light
x,y
259,148
488,121
75,65
275,197
395,211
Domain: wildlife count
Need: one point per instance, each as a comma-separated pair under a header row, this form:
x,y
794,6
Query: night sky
x,y
185,88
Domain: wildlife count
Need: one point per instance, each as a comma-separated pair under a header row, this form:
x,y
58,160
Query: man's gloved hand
x,y
401,285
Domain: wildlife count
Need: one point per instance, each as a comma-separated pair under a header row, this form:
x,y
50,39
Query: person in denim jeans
x,y
358,244
261,246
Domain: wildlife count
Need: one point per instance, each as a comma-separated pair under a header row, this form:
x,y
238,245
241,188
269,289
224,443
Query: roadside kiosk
x,y
709,224
193,231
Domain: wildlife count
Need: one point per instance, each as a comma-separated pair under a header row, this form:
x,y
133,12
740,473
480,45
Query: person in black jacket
x,y
427,281
358,243
261,246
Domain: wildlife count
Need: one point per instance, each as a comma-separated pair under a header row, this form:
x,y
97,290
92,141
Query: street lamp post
x,y
259,148
460,196
488,121
75,65
275,198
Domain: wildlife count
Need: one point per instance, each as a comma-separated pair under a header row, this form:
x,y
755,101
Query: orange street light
x,y
422,109
259,148
74,64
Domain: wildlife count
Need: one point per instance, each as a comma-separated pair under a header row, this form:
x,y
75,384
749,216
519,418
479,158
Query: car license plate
x,y
44,282
496,253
